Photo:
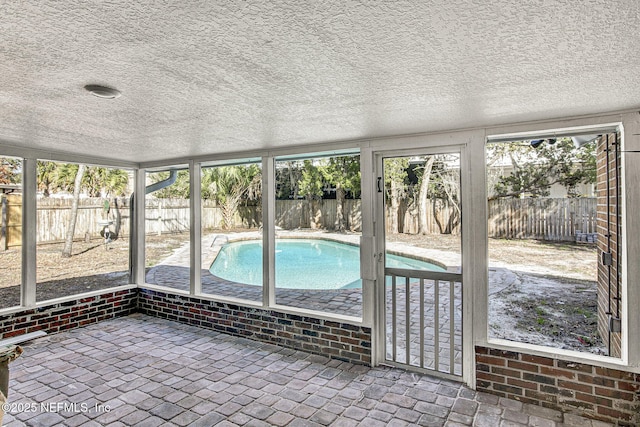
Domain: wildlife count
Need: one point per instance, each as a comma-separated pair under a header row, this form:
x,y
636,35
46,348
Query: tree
x,y
343,172
395,177
71,227
179,189
10,170
105,182
288,179
97,181
230,186
536,169
311,186
46,177
446,193
423,195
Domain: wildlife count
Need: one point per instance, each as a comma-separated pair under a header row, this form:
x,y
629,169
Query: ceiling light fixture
x,y
102,91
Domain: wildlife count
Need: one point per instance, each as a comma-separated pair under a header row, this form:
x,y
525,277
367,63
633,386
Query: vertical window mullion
x,y
29,224
268,231
139,226
195,229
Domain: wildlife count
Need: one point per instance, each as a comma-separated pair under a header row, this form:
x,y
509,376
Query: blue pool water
x,y
302,264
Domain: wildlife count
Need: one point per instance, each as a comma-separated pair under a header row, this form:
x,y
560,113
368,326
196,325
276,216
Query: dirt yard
x,y
540,292
92,266
550,298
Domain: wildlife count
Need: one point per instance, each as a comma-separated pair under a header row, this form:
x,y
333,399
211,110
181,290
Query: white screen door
x,y
420,195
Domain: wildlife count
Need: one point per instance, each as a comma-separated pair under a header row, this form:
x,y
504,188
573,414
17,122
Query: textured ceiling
x,y
204,77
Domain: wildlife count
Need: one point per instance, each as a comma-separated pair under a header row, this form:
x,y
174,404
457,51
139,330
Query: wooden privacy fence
x,y
53,217
10,220
161,216
408,218
291,214
544,219
172,215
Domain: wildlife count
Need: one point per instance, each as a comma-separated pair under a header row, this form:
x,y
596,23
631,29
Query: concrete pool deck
x,y
173,272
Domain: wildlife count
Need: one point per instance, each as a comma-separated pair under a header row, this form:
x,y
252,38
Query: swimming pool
x,y
302,264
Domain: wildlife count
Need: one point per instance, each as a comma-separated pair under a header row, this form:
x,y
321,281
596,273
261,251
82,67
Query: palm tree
x,y
229,186
97,181
116,182
46,177
179,189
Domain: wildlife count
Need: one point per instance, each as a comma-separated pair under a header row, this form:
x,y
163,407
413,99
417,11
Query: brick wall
x,y
599,393
608,228
338,340
71,314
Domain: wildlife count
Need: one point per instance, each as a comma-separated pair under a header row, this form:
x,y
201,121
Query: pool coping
x,y
211,251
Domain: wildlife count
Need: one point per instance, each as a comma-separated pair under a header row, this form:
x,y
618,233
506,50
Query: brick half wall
x,y
69,314
599,393
338,340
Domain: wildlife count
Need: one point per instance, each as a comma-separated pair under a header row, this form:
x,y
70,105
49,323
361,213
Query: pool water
x,y
302,264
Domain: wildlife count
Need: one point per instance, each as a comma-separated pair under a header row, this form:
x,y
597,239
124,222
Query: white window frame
x,y
627,125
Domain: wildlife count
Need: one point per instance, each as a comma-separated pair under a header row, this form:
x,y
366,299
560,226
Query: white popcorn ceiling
x,y
203,77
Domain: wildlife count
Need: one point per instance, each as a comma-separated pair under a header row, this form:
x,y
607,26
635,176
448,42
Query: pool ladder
x,y
224,236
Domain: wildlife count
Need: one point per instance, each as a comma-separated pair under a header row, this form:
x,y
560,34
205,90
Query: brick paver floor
x,y
143,371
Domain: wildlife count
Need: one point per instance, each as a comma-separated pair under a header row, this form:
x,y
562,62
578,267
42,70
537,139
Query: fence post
x,y
160,218
3,223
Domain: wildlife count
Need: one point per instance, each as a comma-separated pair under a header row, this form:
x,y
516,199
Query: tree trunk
x,y
118,216
340,196
71,227
229,209
293,182
395,206
437,217
315,213
423,199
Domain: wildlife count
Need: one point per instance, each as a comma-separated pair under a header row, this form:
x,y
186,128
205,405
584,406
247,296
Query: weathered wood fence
x,y
291,214
53,218
545,218
408,223
161,216
10,220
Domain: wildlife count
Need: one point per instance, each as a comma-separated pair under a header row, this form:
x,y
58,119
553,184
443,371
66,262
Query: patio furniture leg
x,y
7,355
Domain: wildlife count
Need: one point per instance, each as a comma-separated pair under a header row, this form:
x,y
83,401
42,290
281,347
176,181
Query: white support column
x,y
195,179
29,229
368,259
268,232
379,329
474,251
139,224
630,314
